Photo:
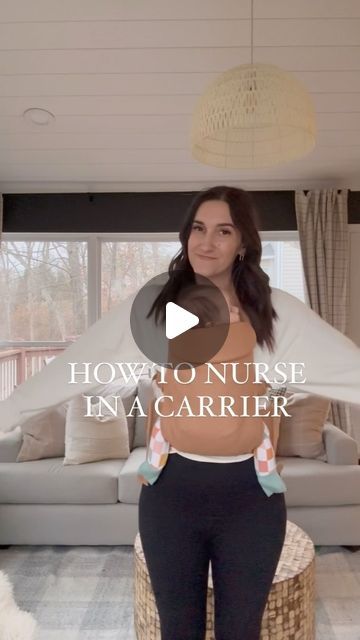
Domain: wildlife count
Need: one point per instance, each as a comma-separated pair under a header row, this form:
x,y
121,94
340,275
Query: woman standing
x,y
197,509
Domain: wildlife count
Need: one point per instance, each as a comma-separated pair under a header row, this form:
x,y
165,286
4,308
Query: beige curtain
x,y
322,221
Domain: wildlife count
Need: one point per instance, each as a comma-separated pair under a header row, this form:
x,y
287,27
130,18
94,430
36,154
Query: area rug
x,y
86,593
14,623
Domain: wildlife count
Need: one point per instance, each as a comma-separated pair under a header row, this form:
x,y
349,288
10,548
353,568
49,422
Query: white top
x,y
331,359
195,456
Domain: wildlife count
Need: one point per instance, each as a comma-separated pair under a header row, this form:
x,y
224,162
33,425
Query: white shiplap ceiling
x,y
122,78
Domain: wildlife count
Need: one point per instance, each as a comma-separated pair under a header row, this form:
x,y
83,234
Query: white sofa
x,y
43,502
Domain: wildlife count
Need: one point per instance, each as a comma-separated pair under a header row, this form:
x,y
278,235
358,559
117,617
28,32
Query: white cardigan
x,y
331,360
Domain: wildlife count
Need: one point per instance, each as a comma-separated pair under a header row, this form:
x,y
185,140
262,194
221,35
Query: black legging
x,y
200,511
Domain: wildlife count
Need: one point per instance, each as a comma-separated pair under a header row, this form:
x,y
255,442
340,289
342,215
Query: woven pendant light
x,y
252,116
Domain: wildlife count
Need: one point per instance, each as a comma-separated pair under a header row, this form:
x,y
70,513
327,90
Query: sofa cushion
x,y
273,424
129,485
300,434
317,483
10,444
44,435
145,394
102,436
308,482
48,481
340,447
128,400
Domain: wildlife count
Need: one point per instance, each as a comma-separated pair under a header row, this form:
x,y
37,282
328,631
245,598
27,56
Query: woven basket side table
x,y
290,610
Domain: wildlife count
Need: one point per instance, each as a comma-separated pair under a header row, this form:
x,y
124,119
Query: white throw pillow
x,y
91,438
127,392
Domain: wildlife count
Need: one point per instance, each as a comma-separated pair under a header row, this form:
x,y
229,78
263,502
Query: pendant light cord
x,y
252,29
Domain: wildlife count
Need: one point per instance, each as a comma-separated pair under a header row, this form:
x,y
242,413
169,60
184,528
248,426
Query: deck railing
x,y
17,364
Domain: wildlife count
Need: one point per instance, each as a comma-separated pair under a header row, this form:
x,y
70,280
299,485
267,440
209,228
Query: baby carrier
x,y
220,434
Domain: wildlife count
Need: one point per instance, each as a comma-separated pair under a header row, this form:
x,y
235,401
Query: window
x,y
127,266
44,285
281,260
53,287
43,289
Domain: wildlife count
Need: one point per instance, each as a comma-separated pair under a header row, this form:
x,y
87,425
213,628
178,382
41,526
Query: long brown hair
x,y
250,281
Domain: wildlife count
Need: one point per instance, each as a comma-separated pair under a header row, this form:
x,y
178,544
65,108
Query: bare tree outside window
x,y
43,288
127,266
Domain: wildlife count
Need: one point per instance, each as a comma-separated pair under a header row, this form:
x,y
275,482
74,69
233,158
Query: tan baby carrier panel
x,y
212,434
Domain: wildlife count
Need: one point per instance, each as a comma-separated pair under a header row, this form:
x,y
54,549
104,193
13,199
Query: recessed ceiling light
x,y
38,117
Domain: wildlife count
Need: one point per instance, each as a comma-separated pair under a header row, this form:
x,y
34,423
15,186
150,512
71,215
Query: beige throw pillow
x,y
88,439
301,433
44,435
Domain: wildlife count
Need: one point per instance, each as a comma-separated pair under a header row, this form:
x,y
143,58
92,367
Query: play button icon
x,y
179,322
